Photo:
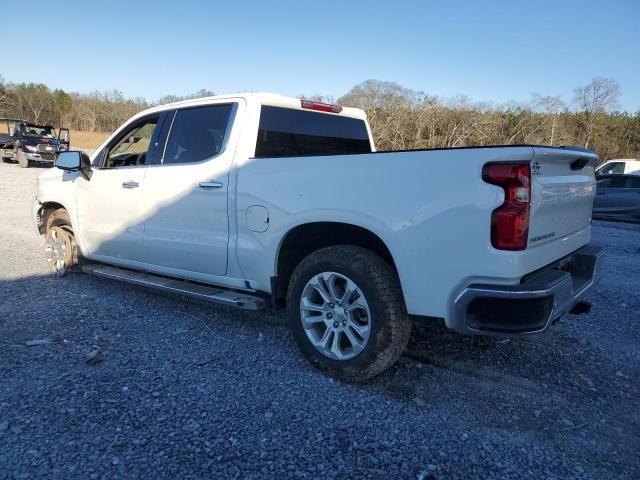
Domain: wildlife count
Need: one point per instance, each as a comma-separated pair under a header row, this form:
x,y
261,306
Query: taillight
x,y
321,107
510,221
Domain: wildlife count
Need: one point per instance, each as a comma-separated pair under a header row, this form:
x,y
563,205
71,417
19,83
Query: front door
x,y
185,197
109,203
65,138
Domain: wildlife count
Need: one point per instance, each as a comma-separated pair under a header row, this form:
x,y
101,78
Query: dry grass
x,y
87,139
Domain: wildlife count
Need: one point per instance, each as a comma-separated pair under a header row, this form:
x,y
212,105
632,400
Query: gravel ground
x,y
188,390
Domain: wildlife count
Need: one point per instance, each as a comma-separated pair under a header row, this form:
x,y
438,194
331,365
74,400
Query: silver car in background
x,y
617,197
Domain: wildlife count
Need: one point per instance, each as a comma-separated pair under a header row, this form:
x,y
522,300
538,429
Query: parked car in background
x,y
25,142
619,166
617,197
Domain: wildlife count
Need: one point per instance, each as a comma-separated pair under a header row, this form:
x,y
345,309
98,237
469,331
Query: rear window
x,y
284,132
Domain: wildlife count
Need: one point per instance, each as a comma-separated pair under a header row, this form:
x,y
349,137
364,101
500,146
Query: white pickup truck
x,y
243,198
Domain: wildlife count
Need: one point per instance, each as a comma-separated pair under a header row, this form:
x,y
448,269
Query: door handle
x,y
130,184
210,185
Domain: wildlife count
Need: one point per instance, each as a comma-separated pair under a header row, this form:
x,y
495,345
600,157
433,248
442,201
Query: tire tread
x,y
396,327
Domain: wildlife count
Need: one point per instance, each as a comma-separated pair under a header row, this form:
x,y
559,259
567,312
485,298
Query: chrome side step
x,y
180,287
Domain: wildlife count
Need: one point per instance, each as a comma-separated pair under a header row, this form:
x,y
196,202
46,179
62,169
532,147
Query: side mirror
x,y
74,161
63,135
69,161
12,131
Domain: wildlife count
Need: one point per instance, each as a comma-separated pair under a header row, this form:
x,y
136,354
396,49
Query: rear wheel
x,y
60,244
346,312
23,161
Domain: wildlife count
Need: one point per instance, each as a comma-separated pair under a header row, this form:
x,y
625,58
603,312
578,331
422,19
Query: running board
x,y
180,287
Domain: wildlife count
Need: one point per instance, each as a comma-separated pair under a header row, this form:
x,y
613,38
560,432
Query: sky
x,y
489,51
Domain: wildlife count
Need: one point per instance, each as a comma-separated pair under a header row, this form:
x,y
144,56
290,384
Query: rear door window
x,y
632,182
286,132
618,182
604,183
197,133
613,182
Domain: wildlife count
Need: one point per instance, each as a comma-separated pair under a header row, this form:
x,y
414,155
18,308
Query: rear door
x,y
607,200
563,187
65,138
618,197
633,197
185,197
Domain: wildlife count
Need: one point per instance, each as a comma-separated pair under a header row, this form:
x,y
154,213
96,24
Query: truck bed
x,y
429,206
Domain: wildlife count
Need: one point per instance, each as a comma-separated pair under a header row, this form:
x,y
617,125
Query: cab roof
x,y
262,98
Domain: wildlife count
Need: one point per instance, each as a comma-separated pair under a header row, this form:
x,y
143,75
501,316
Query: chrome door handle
x,y
130,184
210,185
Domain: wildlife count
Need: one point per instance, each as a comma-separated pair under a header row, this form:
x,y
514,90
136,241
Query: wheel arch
x,y
303,239
43,212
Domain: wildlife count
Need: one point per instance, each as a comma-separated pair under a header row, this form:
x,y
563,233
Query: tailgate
x,y
562,190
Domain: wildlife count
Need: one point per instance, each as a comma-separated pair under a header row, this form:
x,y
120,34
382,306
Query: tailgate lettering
x,y
542,237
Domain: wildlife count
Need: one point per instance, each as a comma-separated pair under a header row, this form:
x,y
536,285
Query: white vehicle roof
x,y
263,98
623,160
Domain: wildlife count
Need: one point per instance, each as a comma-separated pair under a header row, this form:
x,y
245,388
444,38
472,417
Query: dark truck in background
x,y
25,142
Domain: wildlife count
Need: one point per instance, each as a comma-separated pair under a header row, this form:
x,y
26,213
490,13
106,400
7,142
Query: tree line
x,y
400,118
92,112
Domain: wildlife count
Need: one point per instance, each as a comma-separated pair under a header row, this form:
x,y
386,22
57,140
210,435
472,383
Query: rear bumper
x,y
531,305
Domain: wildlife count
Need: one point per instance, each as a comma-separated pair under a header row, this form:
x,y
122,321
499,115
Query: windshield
x,y
33,131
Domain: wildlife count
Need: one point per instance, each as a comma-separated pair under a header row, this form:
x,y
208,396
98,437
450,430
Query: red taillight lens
x,y
510,221
321,107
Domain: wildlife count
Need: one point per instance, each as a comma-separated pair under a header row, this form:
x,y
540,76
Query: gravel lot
x,y
189,390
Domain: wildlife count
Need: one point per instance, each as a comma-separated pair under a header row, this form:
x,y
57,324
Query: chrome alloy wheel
x,y
60,250
335,315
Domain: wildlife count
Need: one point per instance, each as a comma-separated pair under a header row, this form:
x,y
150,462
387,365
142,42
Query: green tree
x,y
63,104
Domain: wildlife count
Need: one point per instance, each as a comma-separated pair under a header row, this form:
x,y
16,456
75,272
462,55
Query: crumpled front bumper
x,y
531,305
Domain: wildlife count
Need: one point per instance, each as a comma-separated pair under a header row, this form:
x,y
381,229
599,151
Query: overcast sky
x,y
491,51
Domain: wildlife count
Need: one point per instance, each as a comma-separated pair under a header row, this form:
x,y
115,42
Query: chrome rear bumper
x,y
531,305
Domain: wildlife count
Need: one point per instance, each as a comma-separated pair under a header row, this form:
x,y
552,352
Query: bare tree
x,y
4,95
36,98
594,100
552,106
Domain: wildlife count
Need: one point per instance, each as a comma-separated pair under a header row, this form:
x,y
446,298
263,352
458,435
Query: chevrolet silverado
x,y
246,198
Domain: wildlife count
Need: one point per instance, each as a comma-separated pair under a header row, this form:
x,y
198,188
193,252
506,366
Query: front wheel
x,y
60,245
346,312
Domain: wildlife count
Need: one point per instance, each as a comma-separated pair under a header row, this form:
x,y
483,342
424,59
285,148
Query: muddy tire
x,y
60,245
346,312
